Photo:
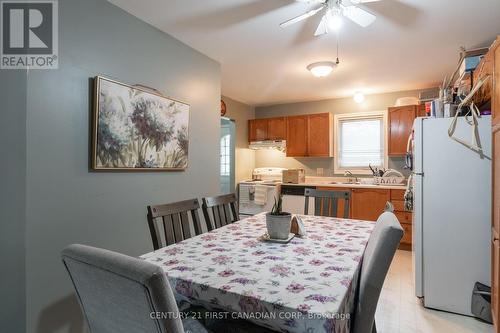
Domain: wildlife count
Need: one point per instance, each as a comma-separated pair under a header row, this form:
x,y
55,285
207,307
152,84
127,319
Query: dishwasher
x,y
294,199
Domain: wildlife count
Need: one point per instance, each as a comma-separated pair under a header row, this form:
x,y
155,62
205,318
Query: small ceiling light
x,y
359,97
334,19
321,69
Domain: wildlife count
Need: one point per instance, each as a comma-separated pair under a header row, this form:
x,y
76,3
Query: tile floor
x,y
400,311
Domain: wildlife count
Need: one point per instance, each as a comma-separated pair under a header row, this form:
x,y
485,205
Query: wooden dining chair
x,y
326,202
173,220
118,293
377,259
223,210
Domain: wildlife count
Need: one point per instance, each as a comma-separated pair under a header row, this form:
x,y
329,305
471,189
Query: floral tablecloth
x,y
307,285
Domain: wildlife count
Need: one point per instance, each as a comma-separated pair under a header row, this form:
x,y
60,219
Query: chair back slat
x,y
175,220
196,222
154,230
326,207
216,215
326,202
335,203
168,228
186,228
223,209
227,216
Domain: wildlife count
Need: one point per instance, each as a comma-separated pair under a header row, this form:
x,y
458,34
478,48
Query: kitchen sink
x,y
352,183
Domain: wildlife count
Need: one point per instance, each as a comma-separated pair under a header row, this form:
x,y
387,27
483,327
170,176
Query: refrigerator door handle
x,y
418,174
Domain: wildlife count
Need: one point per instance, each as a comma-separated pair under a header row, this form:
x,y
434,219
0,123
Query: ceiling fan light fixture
x,y
334,20
321,69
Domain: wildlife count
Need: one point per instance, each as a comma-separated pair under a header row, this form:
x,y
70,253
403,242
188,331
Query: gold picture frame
x,y
137,129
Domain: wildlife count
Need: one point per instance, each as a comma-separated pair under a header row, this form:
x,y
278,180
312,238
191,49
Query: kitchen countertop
x,y
329,184
341,182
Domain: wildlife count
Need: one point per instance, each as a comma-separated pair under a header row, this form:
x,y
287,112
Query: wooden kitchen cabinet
x,y
368,204
495,224
494,55
276,128
320,135
495,283
400,125
296,136
310,135
266,129
404,217
257,130
495,94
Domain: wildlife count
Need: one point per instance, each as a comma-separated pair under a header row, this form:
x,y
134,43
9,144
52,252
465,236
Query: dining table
x,y
306,285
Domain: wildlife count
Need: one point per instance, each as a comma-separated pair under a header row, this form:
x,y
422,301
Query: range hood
x,y
268,144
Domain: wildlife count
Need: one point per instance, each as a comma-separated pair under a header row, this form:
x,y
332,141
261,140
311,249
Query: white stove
x,y
257,195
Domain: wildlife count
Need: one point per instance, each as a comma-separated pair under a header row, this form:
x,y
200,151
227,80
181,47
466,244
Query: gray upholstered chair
x,y
119,293
379,252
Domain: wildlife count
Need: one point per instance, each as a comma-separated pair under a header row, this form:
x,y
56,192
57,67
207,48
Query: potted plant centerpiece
x,y
278,222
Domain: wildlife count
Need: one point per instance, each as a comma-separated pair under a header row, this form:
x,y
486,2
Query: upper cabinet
x,y
320,135
296,139
400,125
276,128
267,129
306,135
310,135
495,98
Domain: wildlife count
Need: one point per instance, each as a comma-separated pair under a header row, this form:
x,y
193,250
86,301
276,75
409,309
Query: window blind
x,y
361,143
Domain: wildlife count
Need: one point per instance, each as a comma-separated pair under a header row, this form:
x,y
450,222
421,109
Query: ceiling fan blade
x,y
299,18
357,2
322,27
317,1
359,16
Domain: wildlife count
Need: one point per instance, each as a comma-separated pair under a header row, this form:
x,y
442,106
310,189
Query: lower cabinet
x,y
368,204
404,217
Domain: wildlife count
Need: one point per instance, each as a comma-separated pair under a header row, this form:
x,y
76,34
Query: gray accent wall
x,y
375,102
12,200
68,204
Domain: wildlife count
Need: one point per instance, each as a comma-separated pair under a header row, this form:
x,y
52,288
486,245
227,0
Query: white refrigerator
x,y
452,213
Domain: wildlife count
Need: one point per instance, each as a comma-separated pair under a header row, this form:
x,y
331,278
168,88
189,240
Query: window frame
x,y
225,142
337,118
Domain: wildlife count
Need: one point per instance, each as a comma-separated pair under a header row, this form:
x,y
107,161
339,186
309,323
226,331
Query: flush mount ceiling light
x,y
359,97
322,68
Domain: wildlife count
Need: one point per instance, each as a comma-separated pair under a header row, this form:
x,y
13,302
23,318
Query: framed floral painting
x,y
135,129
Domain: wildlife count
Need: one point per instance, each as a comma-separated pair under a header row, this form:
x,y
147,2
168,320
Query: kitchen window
x,y
225,155
360,141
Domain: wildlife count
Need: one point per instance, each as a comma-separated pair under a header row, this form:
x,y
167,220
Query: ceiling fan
x,y
333,11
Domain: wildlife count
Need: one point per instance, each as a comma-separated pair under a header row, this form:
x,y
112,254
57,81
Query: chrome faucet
x,y
351,178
